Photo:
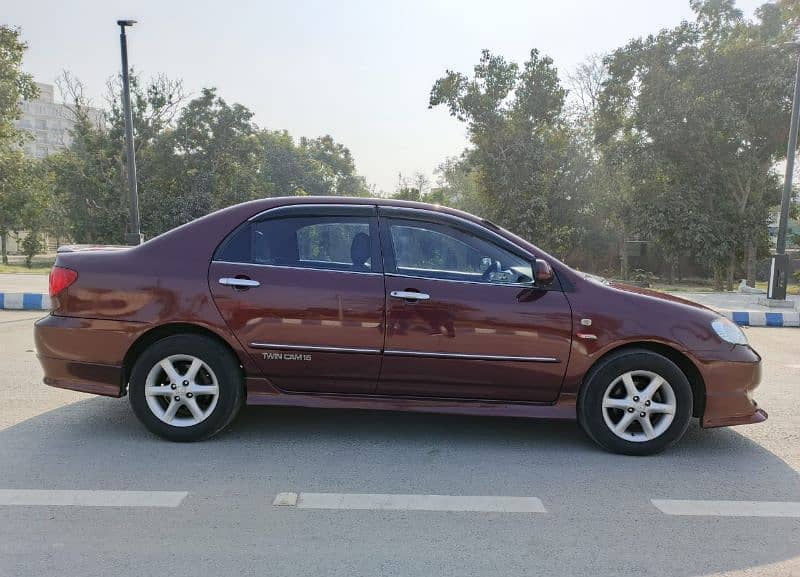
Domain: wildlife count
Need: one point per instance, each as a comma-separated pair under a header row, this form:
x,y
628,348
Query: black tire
x,y
600,378
225,368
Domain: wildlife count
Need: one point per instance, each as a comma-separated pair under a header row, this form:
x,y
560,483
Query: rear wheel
x,y
186,388
637,402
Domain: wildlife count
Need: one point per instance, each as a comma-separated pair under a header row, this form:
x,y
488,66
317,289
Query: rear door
x,y
463,317
302,289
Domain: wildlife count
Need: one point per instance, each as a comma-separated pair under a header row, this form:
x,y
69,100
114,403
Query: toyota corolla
x,y
381,304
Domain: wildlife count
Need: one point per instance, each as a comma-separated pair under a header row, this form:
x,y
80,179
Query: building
x,y
49,122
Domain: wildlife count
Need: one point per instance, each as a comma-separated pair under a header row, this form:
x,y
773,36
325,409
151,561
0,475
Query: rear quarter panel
x,y
163,281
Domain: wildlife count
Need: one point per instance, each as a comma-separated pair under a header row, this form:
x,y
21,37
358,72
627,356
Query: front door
x,y
463,317
303,291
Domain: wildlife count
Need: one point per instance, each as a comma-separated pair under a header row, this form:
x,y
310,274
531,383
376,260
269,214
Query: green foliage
x,y
24,199
15,85
520,171
15,169
696,118
671,139
191,160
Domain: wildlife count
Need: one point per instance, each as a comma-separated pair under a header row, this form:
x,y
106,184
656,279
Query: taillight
x,y
61,278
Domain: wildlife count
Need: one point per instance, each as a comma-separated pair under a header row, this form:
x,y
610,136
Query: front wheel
x,y
186,388
636,402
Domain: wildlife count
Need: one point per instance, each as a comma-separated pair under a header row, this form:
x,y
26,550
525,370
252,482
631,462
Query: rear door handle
x,y
239,282
409,295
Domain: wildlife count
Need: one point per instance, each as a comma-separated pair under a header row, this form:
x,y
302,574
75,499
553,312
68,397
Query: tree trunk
x,y
750,262
3,248
623,255
718,285
731,272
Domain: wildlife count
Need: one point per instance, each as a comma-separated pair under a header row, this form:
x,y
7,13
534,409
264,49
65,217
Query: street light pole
x,y
134,236
778,271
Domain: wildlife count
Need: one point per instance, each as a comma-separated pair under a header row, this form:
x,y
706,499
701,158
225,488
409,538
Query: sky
x,y
359,71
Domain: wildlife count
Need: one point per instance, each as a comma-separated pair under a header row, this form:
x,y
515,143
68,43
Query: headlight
x,y
729,331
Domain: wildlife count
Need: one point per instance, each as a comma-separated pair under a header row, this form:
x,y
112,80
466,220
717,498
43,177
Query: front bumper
x,y
84,354
730,383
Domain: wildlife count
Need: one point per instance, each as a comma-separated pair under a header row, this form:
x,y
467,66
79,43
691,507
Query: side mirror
x,y
543,274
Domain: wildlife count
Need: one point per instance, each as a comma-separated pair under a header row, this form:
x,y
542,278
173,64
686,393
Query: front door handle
x,y
239,282
410,295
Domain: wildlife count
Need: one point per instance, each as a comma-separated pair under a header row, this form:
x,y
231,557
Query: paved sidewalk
x,y
735,301
743,309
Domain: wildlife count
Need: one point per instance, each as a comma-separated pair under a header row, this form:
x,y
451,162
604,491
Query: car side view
x,y
383,304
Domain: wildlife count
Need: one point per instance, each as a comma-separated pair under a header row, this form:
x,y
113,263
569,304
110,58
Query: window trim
x,y
289,267
528,285
457,222
322,211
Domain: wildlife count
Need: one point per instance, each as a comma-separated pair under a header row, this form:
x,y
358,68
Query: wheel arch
x,y
684,363
162,331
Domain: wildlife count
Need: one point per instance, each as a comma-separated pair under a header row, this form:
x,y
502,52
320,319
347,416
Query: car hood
x,y
655,294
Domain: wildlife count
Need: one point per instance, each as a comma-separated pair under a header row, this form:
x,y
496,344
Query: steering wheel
x,y
495,266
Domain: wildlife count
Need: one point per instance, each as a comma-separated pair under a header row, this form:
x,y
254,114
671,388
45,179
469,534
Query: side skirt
x,y
561,410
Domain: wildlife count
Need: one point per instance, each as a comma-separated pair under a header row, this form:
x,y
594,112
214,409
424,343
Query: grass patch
x,y
682,288
40,268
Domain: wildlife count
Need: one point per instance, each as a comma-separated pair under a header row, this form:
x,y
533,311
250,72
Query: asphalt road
x,y
595,515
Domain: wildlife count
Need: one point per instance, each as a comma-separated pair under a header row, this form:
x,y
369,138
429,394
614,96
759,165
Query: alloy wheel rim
x,y
639,406
181,390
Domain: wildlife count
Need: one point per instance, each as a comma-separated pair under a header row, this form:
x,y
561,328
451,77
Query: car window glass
x,y
438,251
336,243
331,241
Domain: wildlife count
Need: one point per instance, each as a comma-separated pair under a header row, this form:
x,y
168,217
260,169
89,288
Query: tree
x,y
192,158
458,185
336,164
520,146
697,116
606,198
13,168
35,208
15,86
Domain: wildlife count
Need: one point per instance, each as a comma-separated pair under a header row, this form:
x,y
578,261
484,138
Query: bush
x,y
32,245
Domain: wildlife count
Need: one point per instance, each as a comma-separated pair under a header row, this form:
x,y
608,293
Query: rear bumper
x,y
84,354
729,390
85,377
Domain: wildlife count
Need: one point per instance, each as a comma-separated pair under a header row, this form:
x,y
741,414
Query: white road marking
x,y
285,500
388,502
728,508
46,498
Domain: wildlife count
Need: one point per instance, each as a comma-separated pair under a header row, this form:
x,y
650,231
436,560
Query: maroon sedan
x,y
368,303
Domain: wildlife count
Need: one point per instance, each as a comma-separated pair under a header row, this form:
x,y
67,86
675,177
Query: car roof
x,y
372,201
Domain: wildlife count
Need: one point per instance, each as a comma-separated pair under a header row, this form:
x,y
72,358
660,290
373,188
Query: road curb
x,y
24,301
763,318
